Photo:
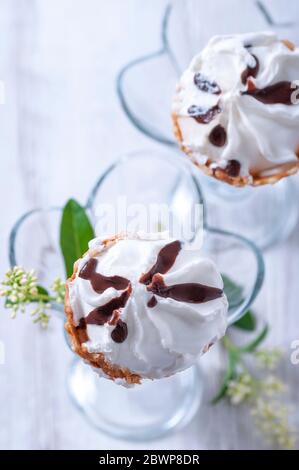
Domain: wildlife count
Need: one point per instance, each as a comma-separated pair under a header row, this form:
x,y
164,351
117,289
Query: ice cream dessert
x,y
236,109
143,306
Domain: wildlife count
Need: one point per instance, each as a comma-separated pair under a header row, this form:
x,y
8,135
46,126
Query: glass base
x,y
143,412
266,214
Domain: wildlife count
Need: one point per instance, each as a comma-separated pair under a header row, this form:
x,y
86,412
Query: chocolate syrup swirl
x,y
104,313
99,282
217,136
152,302
279,93
233,168
191,292
250,71
204,84
165,260
120,332
203,115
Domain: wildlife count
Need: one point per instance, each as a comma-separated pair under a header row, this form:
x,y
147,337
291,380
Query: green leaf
x,y
42,291
229,375
221,393
256,342
233,291
247,322
234,294
75,233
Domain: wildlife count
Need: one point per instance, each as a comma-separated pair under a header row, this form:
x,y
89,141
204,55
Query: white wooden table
x,y
58,130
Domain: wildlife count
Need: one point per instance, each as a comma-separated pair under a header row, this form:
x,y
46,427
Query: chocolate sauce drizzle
x,y
191,292
120,332
165,260
152,302
104,313
99,282
108,313
233,168
279,93
250,71
217,136
204,84
203,115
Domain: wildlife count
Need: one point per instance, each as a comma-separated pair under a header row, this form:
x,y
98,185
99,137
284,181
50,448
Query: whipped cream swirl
x,y
147,303
237,104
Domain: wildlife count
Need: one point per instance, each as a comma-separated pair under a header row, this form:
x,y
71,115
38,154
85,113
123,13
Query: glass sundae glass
x,y
157,407
266,214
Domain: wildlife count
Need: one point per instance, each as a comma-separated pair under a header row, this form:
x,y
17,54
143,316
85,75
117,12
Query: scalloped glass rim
x,y
164,51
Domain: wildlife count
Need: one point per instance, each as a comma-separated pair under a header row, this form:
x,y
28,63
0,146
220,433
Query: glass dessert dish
x,y
156,407
265,214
